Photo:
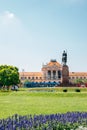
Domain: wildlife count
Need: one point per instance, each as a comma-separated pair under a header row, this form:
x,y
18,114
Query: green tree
x,y
81,81
78,81
9,75
85,80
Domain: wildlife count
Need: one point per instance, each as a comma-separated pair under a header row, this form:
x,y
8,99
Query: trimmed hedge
x,y
65,90
77,90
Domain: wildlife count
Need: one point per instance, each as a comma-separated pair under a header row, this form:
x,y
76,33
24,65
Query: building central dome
x,y
54,62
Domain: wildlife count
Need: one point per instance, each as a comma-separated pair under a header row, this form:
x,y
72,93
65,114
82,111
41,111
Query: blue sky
x,y
34,31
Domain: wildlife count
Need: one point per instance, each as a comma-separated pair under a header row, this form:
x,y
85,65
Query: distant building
x,y
52,71
77,75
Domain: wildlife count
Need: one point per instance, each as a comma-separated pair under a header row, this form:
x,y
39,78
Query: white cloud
x,y
12,31
9,24
13,39
7,18
9,15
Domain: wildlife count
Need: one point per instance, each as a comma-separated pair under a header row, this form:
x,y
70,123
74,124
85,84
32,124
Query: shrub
x,y
65,90
77,90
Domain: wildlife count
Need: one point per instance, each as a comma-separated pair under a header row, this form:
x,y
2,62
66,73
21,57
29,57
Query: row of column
x,y
53,74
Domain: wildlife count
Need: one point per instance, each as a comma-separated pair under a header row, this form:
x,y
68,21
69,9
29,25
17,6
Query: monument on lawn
x,y
65,69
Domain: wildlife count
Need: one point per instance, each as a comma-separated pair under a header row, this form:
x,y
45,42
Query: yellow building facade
x,y
52,71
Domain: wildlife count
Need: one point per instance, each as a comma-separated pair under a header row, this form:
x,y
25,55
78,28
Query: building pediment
x,y
54,63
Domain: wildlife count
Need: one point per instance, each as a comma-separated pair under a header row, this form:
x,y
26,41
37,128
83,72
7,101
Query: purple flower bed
x,y
67,121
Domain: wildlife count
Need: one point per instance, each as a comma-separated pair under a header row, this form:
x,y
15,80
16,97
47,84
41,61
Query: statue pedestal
x,y
65,75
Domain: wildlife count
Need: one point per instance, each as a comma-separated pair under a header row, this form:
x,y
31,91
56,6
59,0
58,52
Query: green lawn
x,y
26,102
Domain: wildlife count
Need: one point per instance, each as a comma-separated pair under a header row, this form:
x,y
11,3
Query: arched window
x,y
59,74
40,77
49,74
22,78
73,77
29,77
54,74
36,77
32,77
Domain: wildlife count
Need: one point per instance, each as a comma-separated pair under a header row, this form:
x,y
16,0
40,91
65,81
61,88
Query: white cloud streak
x,y
7,18
11,28
13,39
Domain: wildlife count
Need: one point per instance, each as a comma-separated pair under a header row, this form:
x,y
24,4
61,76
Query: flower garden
x,y
43,109
67,121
